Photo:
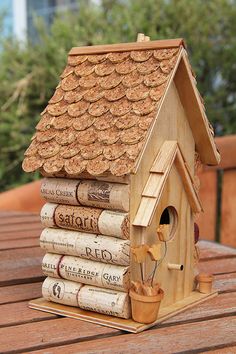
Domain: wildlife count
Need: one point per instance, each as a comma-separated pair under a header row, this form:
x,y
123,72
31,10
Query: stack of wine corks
x,y
87,243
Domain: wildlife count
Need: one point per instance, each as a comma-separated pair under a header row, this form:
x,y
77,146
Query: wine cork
x,y
77,218
47,214
114,223
101,194
87,272
60,190
61,291
104,195
50,265
109,302
95,247
92,220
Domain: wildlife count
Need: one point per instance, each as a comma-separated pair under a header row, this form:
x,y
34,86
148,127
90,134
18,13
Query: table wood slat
x,y
25,227
185,338
22,243
225,282
49,333
19,220
6,213
210,250
227,350
19,312
20,234
218,266
220,306
20,266
21,292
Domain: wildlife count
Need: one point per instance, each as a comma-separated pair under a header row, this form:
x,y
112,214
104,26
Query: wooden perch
x,y
172,266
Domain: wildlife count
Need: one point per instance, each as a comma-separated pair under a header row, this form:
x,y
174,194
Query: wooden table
x,y
210,326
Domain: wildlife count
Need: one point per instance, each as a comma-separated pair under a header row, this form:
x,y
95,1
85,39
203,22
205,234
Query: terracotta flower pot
x,y
205,283
145,308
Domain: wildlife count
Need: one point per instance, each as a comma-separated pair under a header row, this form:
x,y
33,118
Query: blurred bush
x,y
30,73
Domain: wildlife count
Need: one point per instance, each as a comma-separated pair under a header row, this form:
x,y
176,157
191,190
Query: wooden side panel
x,y
171,124
228,220
208,195
180,248
176,285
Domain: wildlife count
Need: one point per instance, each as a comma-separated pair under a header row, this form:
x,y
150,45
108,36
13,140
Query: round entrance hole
x,y
168,224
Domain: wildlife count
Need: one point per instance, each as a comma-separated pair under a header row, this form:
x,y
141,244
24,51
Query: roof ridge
x,y
123,47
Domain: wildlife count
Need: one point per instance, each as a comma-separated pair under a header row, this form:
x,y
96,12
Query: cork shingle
x,y
100,113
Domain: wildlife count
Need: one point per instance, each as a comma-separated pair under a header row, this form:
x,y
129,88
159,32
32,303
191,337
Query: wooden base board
x,y
119,323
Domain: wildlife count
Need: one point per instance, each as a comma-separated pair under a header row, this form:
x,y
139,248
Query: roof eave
x,y
193,107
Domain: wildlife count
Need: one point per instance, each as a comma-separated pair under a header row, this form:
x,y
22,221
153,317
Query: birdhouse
x,y
119,145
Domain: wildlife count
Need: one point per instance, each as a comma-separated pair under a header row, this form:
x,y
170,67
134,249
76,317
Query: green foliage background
x,y
30,73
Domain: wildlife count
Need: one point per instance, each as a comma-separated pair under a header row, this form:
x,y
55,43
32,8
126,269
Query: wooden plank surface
x,y
21,234
20,219
227,147
9,228
208,195
21,243
53,332
174,339
210,250
23,329
19,313
227,350
218,266
21,292
225,282
228,208
216,307
9,214
20,266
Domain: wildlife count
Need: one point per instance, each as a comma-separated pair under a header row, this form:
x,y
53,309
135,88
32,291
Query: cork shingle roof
x,y
100,114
